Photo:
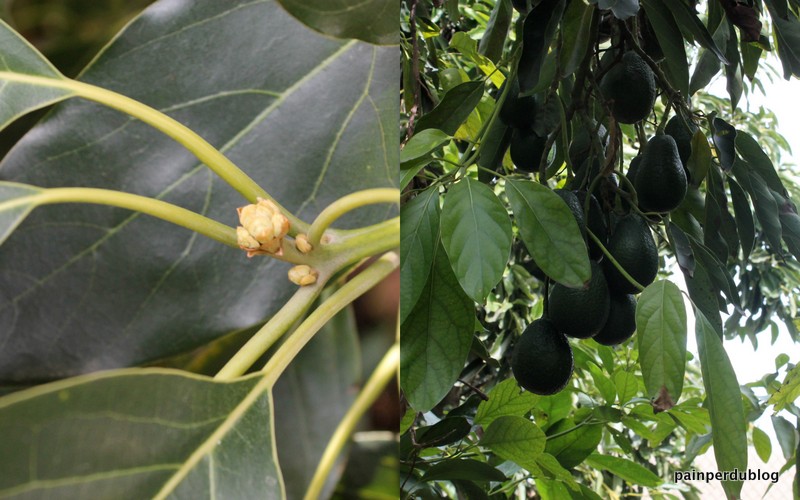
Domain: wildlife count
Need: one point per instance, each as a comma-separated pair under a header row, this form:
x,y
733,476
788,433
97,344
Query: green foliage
x,y
713,201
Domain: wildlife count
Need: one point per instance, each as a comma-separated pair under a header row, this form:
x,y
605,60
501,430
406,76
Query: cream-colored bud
x,y
302,244
263,223
303,275
245,239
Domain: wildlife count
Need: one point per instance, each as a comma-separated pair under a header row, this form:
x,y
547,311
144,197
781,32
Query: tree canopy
x,y
555,148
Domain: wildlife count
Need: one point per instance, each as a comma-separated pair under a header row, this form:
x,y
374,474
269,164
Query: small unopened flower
x,y
302,244
262,229
303,275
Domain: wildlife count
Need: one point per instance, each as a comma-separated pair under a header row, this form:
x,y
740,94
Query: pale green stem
x,y
349,247
340,299
613,260
346,204
204,151
382,375
150,206
266,337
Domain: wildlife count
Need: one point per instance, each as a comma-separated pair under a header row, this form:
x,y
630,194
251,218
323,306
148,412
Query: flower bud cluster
x,y
262,229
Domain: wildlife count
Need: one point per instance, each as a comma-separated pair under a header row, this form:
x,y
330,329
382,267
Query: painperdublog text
x,y
728,475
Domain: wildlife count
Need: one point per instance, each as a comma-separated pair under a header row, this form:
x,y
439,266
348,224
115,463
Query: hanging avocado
x,y
633,247
580,312
542,361
621,322
660,179
527,149
630,88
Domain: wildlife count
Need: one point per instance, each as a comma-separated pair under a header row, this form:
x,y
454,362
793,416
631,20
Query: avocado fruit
x,y
632,245
595,222
516,111
580,312
621,322
527,149
574,204
660,179
678,130
581,145
633,169
630,88
542,360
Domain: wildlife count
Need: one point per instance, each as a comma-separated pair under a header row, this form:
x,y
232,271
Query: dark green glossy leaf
x,y
537,34
786,30
682,249
493,150
16,202
762,444
625,469
322,376
751,54
505,399
494,38
716,270
705,295
724,137
63,440
373,21
724,402
733,71
571,444
144,287
19,98
758,161
671,40
661,339
436,337
744,217
454,108
421,145
465,469
516,439
446,431
786,434
476,233
419,232
708,64
550,232
718,216
687,18
766,211
576,29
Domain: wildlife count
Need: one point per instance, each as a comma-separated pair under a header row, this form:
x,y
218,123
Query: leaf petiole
x,y
346,204
382,375
182,134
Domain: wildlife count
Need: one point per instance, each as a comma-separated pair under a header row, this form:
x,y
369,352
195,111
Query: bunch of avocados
x,y
605,308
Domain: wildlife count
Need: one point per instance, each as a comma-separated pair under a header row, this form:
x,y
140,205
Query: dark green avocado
x,y
580,312
677,129
633,247
519,112
630,88
621,322
542,360
660,179
527,149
